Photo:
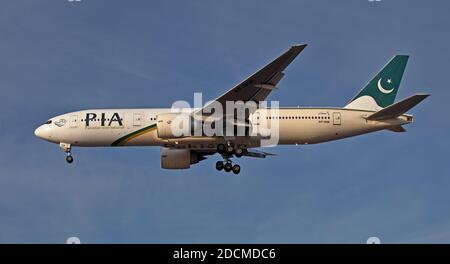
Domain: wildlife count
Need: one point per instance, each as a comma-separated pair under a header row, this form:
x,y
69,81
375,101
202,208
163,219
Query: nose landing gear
x,y
68,149
69,158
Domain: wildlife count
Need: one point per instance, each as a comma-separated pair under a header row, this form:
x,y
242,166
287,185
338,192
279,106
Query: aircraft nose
x,y
38,132
42,132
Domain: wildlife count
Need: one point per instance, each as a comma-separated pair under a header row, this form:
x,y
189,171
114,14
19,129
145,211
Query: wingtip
x,y
401,56
299,45
297,48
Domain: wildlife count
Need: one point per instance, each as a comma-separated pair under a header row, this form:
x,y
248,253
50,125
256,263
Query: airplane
x,y
372,109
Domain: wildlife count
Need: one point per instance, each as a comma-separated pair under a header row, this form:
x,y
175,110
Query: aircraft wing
x,y
259,85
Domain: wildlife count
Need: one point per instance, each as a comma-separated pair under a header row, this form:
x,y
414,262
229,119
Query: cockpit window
x,y
48,122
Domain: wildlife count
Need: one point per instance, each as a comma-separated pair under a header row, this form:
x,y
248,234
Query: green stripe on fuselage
x,y
130,136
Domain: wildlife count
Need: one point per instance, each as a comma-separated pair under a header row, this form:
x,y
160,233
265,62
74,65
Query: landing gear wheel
x,y
228,167
221,148
69,159
68,150
236,169
238,152
219,165
230,149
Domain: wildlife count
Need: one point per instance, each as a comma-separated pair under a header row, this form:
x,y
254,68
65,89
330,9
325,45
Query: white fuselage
x,y
137,127
236,122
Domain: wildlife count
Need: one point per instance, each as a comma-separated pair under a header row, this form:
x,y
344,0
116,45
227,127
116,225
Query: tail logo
x,y
380,87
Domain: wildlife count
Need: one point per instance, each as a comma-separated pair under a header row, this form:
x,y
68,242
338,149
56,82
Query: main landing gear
x,y
228,166
227,151
230,149
68,149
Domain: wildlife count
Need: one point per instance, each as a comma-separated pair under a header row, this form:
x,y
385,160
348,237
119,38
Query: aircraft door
x,y
337,118
253,121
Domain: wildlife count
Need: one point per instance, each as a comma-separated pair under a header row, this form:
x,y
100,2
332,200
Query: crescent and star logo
x,y
380,87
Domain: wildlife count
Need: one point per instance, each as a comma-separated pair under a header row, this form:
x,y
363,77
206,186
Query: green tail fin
x,y
380,92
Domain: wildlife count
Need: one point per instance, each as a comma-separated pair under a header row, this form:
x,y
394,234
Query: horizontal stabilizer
x,y
257,154
399,108
397,129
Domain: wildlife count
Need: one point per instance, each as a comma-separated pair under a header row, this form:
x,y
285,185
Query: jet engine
x,y
179,158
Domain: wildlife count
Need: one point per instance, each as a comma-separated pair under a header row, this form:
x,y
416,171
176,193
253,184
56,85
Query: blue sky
x,y
58,56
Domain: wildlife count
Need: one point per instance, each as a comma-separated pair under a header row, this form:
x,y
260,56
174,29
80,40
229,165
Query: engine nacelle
x,y
173,125
179,158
